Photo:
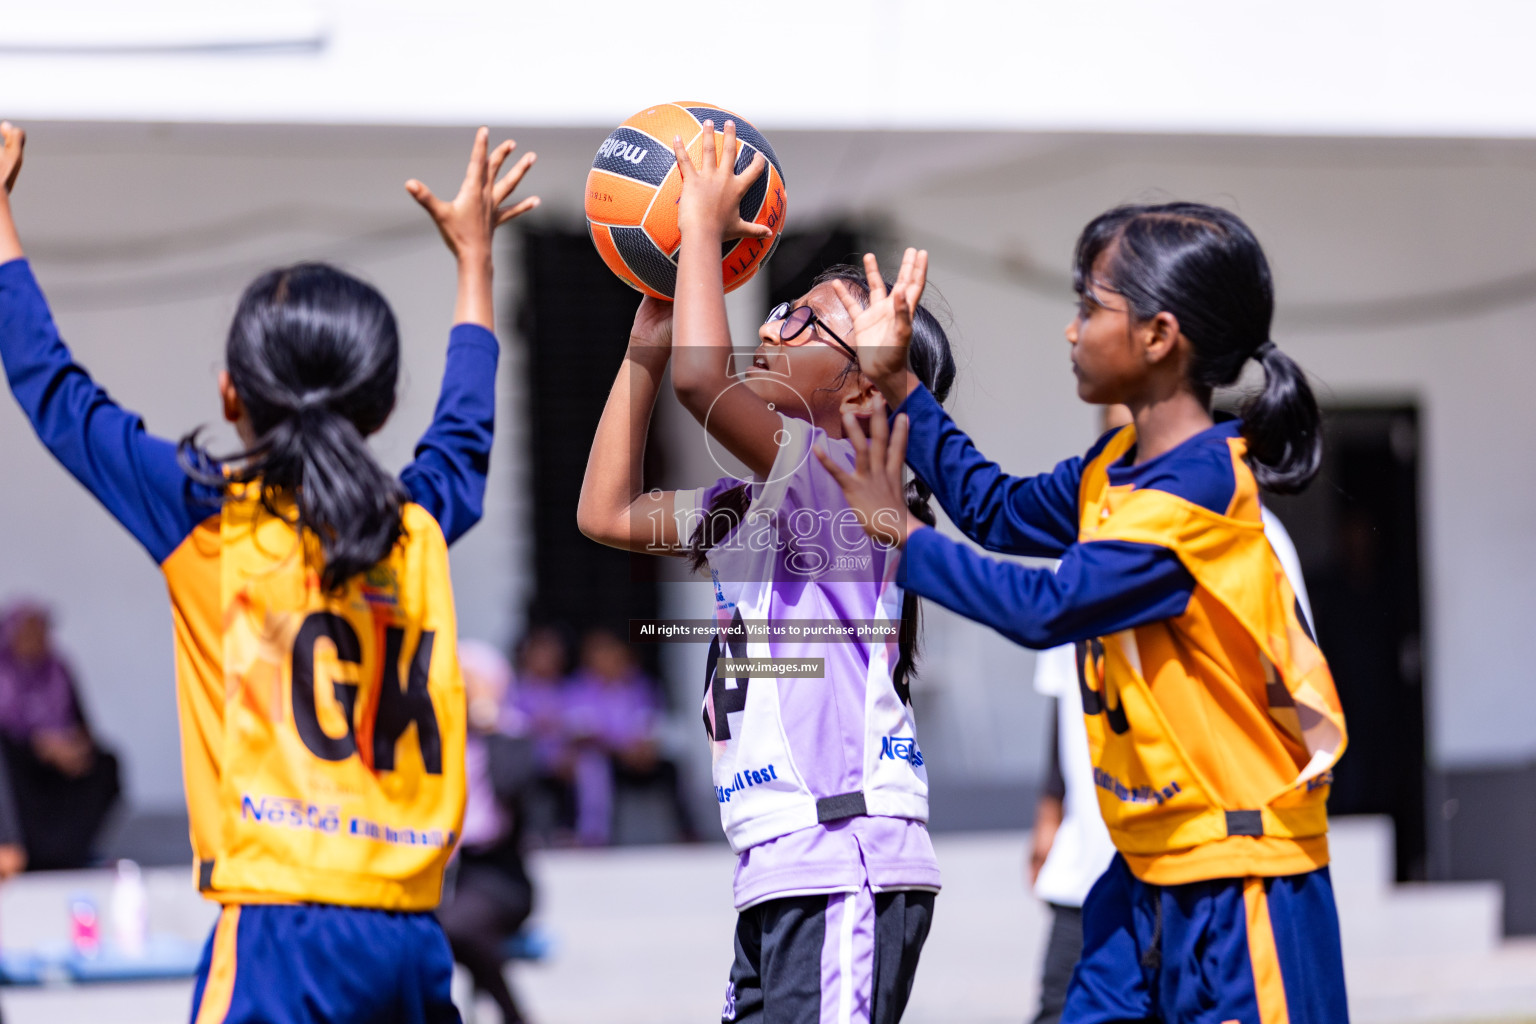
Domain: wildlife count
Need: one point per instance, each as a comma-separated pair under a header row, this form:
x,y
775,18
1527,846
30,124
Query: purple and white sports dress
x,y
820,780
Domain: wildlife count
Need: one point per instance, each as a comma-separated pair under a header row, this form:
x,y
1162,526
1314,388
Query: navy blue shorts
x,y
1248,950
311,962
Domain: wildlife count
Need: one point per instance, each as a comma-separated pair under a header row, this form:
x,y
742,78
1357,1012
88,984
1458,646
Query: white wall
x,y
1336,67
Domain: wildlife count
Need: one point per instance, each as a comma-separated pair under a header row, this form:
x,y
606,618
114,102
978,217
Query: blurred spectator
x,y
543,661
13,851
542,667
64,782
611,718
491,895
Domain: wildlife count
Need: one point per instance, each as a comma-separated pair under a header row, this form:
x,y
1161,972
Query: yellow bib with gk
x,y
336,729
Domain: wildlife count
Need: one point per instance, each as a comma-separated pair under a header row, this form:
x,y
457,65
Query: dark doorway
x,y
1357,533
575,315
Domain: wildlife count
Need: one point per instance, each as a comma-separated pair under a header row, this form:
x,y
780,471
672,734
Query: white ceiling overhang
x,y
1304,67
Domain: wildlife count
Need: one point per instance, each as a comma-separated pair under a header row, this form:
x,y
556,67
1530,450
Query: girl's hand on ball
x,y
468,221
653,324
882,329
712,191
15,140
874,486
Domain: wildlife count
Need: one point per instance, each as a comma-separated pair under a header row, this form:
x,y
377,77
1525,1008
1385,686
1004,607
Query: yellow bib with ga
x,y
1212,733
341,754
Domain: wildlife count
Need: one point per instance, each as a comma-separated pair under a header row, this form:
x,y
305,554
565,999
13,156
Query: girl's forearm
x,y
475,303
614,469
897,386
701,329
10,241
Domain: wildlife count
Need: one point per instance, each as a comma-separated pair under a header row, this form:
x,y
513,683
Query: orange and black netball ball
x,y
634,186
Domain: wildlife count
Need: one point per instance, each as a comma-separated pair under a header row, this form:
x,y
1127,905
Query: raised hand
x,y
874,487
12,141
471,217
653,324
15,140
882,328
712,191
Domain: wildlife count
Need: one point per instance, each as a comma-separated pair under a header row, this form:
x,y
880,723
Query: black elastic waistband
x,y
1245,823
844,805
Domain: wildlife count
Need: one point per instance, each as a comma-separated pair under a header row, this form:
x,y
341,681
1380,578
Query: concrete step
x,y
644,935
1426,918
1362,852
1379,918
1424,988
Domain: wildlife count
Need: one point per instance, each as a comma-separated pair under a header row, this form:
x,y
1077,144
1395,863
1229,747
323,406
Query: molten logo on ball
x,y
613,147
634,186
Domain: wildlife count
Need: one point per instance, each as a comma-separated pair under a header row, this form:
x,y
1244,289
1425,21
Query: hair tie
x,y
313,400
1262,352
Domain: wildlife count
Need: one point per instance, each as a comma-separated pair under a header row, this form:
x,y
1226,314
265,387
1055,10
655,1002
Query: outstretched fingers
x,y
872,278
424,196
474,174
728,148
14,142
743,182
904,272
498,156
896,450
685,166
901,310
846,297
917,281
516,210
879,432
855,435
839,474
752,229
749,173
513,178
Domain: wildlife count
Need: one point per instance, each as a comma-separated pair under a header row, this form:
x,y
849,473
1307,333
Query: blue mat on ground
x,y
531,943
164,957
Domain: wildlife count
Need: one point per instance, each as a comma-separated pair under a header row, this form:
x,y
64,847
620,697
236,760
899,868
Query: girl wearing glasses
x,y
1212,718
818,773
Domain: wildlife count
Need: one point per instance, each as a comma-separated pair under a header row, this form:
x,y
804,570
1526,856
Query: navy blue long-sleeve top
x,y
136,475
1100,586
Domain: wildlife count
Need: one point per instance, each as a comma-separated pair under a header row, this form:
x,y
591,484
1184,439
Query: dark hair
x,y
1203,265
313,354
930,357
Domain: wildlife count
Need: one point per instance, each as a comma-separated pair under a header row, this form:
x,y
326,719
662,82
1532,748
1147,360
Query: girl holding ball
x,y
820,781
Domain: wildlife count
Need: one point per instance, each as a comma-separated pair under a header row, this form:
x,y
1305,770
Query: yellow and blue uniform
x,y
1213,721
322,733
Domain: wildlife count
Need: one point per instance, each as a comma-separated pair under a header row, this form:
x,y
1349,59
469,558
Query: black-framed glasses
x,y
796,320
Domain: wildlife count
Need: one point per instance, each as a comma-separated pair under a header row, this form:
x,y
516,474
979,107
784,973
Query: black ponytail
x,y
1282,425
1202,264
314,355
919,503
930,357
